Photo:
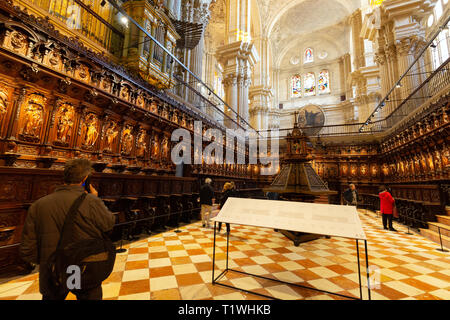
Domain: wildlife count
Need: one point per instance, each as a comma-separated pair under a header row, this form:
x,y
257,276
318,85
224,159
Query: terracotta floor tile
x,y
307,263
390,293
406,271
133,287
168,294
339,269
158,255
188,279
161,272
273,267
137,250
133,265
427,296
195,252
419,284
180,260
306,274
203,266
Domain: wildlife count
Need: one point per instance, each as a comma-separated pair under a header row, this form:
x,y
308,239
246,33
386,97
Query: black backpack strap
x,y
67,230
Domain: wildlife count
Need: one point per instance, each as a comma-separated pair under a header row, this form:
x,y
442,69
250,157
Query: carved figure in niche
x,y
385,169
140,101
344,169
91,132
127,140
111,133
64,123
430,162
165,148
154,107
124,92
423,162
401,167
191,125
183,122
445,118
141,144
438,162
165,114
353,169
364,169
175,117
416,164
392,169
155,146
33,118
374,170
445,157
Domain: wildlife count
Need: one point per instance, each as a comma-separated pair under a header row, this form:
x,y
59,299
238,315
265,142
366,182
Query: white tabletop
x,y
323,219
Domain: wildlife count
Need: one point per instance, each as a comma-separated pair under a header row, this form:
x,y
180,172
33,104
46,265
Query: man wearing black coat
x,y
45,220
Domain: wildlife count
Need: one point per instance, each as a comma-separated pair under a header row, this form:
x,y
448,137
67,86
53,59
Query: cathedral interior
x,y
364,84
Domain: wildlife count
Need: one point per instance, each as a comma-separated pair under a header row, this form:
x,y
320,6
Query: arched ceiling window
x,y
323,82
309,81
296,85
309,55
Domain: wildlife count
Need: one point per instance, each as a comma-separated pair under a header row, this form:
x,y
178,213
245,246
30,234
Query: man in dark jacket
x,y
206,201
351,195
45,219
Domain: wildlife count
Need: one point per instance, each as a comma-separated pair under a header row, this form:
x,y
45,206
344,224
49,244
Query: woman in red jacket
x,y
386,207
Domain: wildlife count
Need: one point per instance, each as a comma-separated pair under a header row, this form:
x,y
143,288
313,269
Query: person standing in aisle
x,y
206,201
387,203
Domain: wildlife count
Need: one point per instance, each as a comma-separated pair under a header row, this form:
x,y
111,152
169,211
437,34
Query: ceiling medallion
x,y
323,55
295,60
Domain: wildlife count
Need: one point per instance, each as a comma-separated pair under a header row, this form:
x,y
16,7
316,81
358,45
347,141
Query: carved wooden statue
x,y
65,121
111,134
141,146
127,140
91,133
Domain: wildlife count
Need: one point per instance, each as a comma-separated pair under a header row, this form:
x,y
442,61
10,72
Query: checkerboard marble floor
x,y
173,266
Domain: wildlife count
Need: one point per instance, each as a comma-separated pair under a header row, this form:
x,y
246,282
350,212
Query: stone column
x,y
237,59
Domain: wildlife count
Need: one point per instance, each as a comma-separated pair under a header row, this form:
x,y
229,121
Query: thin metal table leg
x,y
214,253
367,269
359,270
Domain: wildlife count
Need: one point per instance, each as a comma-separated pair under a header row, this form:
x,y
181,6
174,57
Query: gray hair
x,y
208,180
76,170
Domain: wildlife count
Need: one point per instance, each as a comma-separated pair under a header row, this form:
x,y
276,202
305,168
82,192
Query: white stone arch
x,y
289,4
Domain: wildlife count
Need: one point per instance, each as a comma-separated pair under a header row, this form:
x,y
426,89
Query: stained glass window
x,y
309,55
309,81
323,82
296,86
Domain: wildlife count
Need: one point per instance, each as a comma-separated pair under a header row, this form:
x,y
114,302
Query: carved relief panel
x,y
110,134
64,125
16,41
31,119
141,143
81,72
89,131
127,140
54,59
